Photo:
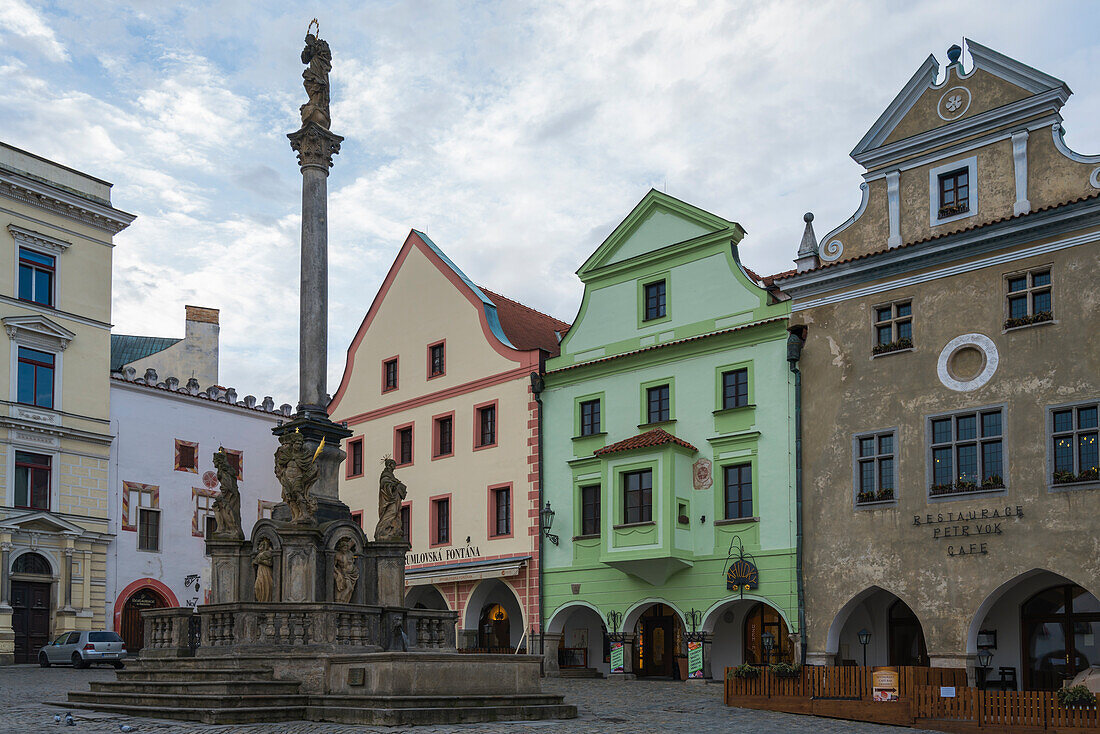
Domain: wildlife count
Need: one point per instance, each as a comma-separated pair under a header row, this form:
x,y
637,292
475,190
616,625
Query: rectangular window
x,y
35,386
875,456
638,496
657,404
236,462
441,512
264,508
1028,298
355,458
954,193
204,512
590,510
966,452
735,388
137,496
32,481
403,448
654,300
389,375
486,426
738,491
1075,452
406,522
892,327
437,361
444,436
187,456
502,511
149,529
590,417
36,275
357,517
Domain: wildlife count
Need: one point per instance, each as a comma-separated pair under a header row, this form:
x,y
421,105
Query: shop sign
x,y
695,660
947,691
741,574
884,684
444,554
969,531
617,657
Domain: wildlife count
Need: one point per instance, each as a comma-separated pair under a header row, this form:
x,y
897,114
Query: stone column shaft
x,y
313,316
5,580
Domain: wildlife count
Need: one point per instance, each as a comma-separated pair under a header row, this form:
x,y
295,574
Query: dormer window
x,y
954,193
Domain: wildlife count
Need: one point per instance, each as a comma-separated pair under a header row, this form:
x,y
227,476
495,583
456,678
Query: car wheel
x,y
43,660
79,662
118,665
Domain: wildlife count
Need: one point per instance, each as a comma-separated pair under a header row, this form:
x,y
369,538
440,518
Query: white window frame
x,y
971,164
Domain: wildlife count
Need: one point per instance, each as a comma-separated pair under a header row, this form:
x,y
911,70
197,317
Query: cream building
x,y
55,439
439,376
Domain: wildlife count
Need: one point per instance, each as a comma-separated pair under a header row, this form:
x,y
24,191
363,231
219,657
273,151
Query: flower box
x,y
1036,318
895,346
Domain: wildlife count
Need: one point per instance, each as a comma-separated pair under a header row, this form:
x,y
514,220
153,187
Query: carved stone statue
x,y
344,570
262,560
318,58
227,506
297,472
390,493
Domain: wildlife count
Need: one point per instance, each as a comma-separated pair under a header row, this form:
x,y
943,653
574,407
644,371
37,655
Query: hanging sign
x,y
617,657
741,574
695,660
884,684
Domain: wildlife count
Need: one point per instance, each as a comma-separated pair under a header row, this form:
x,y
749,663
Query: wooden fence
x,y
846,693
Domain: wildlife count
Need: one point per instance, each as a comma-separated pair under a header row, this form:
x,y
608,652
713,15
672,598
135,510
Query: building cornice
x,y
182,394
54,431
24,189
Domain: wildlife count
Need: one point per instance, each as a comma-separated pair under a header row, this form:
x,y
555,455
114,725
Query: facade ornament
x,y
227,506
297,472
344,570
390,493
262,561
702,474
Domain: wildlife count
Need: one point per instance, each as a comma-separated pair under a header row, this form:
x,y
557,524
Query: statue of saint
x,y
227,506
262,561
344,570
318,58
390,493
297,472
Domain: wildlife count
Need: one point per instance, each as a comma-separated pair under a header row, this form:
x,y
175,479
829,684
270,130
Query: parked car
x,y
81,649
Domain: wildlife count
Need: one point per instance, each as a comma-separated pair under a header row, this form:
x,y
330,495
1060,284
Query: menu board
x,y
884,683
695,660
616,657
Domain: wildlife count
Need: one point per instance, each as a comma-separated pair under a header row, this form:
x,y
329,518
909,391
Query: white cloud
x,y
21,22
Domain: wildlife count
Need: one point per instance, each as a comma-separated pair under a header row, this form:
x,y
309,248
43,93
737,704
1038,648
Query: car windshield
x,y
103,637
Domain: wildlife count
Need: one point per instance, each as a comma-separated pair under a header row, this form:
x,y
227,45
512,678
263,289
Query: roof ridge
x,y
524,305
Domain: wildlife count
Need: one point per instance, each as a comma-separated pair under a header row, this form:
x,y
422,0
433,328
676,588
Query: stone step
x,y
439,715
188,701
580,673
271,687
188,674
420,702
254,715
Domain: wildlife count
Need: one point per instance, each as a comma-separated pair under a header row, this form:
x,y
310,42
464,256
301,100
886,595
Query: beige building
x,y
55,434
194,357
950,387
439,377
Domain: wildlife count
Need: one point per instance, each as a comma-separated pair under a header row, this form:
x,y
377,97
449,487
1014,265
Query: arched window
x,y
1061,626
32,563
760,619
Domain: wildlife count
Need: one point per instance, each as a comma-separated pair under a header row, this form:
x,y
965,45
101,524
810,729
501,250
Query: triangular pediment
x,y
42,522
658,220
35,330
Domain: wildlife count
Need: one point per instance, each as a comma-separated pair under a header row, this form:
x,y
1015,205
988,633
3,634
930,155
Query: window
x,y
590,510
441,514
875,454
735,388
403,444
486,427
657,404
966,452
437,364
32,481
638,496
357,518
406,522
389,375
355,458
149,529
33,563
590,417
502,511
36,276
954,192
654,300
187,456
35,385
1074,444
443,436
1028,298
264,508
893,327
738,481
135,497
236,462
204,512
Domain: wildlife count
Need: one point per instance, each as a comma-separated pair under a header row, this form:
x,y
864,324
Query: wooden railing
x,y
841,683
1002,710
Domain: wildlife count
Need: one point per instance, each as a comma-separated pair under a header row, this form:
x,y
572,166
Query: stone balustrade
x,y
167,632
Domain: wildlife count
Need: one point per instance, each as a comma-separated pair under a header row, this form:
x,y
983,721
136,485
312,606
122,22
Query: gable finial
x,y
954,54
809,239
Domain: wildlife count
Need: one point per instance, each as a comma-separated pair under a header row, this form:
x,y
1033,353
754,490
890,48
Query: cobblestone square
x,y
605,707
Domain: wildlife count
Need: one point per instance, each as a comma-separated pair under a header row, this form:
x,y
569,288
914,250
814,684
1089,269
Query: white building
x,y
164,484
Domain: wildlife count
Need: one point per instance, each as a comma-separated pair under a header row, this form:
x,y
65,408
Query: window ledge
x,y
1074,486
735,521
590,435
439,456
724,411
657,424
877,504
629,525
586,537
969,493
1029,326
893,351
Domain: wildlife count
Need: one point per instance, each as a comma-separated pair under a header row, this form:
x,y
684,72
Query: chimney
x,y
200,337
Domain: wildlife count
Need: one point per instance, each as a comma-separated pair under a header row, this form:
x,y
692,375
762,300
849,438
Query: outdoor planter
x,y
893,346
746,671
1035,318
785,670
1076,697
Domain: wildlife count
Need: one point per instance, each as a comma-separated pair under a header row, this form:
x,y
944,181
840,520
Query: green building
x,y
668,446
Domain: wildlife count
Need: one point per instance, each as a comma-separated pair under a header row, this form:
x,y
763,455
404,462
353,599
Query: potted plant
x,y
884,494
746,671
938,489
993,481
1089,475
965,485
865,497
1076,697
1064,477
785,670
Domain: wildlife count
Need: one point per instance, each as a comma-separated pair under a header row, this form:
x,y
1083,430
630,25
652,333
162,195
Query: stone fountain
x,y
306,619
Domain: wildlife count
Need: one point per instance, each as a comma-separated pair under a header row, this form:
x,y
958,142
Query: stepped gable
x,y
525,327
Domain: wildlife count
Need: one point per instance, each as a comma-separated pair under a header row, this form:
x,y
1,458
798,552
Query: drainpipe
x,y
536,391
795,341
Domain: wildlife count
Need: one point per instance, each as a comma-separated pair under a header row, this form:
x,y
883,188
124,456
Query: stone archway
x,y
33,580
425,596
895,635
138,596
579,638
725,624
482,599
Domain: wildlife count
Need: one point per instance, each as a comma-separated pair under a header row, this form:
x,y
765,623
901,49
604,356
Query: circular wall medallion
x,y
967,362
954,103
210,479
831,251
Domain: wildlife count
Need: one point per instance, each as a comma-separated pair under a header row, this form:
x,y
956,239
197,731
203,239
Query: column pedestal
x,y
227,569
389,560
550,656
301,581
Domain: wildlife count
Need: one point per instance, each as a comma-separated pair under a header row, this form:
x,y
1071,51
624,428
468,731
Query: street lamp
x,y
985,657
864,639
769,640
546,521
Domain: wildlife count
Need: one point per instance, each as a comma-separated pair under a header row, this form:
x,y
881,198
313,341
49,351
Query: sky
x,y
516,134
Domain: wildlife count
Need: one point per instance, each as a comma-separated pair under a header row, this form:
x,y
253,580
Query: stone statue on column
x,y
297,471
344,570
227,506
318,58
263,560
390,493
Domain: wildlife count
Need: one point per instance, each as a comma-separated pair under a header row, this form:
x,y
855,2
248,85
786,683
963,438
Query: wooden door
x,y
133,629
657,643
30,619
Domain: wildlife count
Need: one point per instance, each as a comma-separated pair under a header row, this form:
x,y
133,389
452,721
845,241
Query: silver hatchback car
x,y
81,649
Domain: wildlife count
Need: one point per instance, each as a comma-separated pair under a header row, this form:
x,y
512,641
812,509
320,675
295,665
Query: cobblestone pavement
x,y
604,707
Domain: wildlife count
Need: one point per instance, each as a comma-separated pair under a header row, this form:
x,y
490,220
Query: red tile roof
x,y
525,327
656,437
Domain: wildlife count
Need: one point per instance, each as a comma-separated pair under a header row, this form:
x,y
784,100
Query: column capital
x,y
315,146
68,552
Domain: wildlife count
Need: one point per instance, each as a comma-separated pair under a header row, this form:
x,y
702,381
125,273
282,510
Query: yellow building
x,y
55,435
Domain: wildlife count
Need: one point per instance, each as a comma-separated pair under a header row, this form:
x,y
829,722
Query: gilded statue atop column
x,y
344,570
227,506
297,472
390,493
318,58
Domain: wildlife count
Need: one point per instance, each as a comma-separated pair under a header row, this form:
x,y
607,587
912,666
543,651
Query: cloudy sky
x,y
517,135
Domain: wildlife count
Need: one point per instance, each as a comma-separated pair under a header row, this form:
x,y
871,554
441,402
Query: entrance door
x,y
906,640
657,639
494,630
133,629
1060,629
30,618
